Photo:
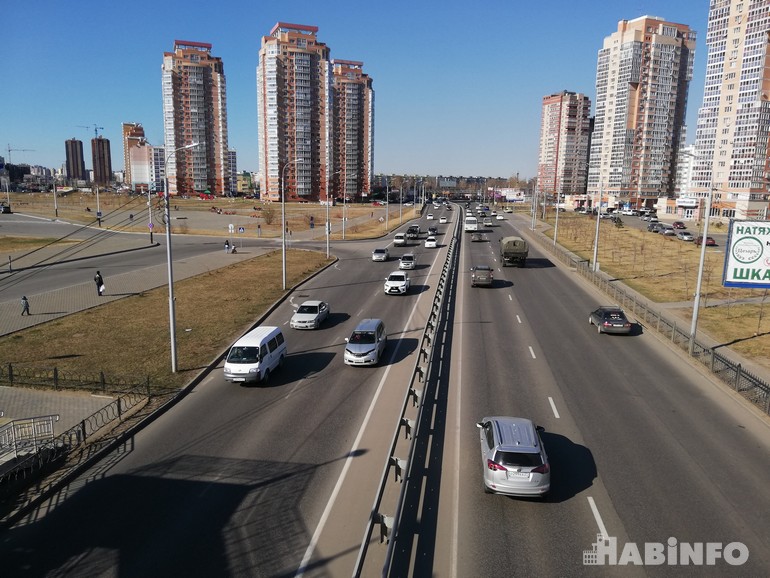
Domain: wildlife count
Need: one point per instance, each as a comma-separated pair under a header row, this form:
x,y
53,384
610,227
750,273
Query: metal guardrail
x,y
750,386
25,436
52,377
396,465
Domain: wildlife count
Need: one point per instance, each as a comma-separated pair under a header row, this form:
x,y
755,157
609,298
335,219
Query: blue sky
x,y
458,85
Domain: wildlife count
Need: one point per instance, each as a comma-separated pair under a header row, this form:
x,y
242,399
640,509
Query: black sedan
x,y
610,319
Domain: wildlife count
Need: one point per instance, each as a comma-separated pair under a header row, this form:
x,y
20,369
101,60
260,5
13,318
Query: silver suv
x,y
513,458
366,344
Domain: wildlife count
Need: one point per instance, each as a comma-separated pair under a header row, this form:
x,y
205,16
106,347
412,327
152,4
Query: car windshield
x,y
521,459
407,258
362,337
482,269
396,278
308,309
243,355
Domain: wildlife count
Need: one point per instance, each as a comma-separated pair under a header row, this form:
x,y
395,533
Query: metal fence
x,y
751,387
53,378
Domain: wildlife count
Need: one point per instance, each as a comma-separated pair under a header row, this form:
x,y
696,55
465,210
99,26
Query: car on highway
x,y
366,344
500,217
443,220
610,319
508,210
310,315
432,231
407,261
429,217
488,222
430,243
513,458
710,242
397,283
380,255
482,275
399,240
685,236
476,237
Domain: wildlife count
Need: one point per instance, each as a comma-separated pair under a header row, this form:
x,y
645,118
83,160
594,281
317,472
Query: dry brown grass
x,y
665,270
130,337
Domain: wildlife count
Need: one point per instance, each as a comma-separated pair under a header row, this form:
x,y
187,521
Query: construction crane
x,y
10,150
96,128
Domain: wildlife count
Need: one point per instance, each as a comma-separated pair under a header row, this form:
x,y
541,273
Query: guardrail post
x,y
420,373
408,427
386,527
120,410
416,395
398,467
737,377
82,431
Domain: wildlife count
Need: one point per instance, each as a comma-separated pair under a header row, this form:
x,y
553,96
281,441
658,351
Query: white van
x,y
255,355
471,224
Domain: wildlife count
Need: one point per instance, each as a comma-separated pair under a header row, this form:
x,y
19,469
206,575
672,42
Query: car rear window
x,y
520,459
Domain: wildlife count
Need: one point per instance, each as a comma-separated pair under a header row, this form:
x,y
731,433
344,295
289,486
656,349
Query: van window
x,y
263,351
243,355
272,344
279,338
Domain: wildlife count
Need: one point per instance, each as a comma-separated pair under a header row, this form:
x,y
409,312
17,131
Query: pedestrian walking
x,y
99,280
227,245
25,305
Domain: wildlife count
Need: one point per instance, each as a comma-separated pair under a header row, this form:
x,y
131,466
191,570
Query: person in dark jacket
x,y
99,280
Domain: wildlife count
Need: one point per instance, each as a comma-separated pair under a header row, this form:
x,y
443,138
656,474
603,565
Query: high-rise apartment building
x,y
195,113
133,136
565,131
731,154
102,159
352,131
233,164
76,163
643,74
294,88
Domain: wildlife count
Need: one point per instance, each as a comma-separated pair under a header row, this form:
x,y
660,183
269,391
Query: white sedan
x,y
443,221
499,217
310,315
429,217
430,243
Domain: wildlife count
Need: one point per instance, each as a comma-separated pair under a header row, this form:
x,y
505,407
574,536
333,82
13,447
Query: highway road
x,y
278,480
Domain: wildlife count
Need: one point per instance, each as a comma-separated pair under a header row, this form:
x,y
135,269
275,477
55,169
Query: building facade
x,y
233,164
352,131
133,135
195,113
102,159
76,163
731,145
294,99
565,131
643,75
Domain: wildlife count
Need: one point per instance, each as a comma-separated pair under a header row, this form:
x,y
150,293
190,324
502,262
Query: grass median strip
x,y
130,337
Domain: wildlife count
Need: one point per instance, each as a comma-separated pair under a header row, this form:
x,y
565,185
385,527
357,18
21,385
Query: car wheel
x,y
590,321
266,376
599,329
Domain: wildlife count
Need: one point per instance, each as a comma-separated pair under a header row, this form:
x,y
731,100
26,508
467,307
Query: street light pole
x,y
283,217
696,304
595,266
556,226
171,307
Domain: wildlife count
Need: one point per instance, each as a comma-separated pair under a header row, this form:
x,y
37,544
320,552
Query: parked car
x,y
407,261
710,242
508,210
482,275
430,243
513,458
610,319
500,217
668,231
678,225
380,255
443,221
397,283
685,236
310,315
654,227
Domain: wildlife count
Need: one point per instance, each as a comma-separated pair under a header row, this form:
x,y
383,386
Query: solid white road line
x,y
553,407
597,517
518,319
532,352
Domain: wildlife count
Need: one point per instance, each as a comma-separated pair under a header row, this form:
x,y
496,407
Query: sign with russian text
x,y
747,255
